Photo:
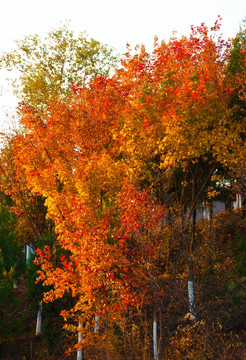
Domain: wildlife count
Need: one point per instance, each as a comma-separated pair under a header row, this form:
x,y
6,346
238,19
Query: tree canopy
x,y
118,163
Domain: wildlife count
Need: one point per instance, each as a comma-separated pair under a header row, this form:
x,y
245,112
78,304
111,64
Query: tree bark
x,y
155,342
39,320
191,295
79,351
96,327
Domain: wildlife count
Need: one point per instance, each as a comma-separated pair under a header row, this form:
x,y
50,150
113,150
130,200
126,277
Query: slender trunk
x,y
237,204
29,251
39,319
191,295
206,212
79,351
96,327
155,344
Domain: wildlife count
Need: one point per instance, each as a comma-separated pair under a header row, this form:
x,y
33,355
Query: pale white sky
x,y
112,22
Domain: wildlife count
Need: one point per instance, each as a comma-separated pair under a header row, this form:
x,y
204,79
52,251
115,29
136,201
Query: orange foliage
x,y
86,156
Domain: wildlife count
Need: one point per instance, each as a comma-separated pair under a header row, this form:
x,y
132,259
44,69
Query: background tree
x,y
237,74
54,65
11,269
28,209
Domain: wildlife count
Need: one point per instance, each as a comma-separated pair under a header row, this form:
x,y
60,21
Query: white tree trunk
x,y
97,328
79,351
39,319
206,212
155,343
237,204
191,299
29,251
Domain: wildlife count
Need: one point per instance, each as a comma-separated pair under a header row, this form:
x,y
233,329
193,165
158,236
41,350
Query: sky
x,y
111,22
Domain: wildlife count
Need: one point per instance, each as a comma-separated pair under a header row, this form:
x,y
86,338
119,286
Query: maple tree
x,y
80,173
163,123
107,267
179,103
179,133
48,68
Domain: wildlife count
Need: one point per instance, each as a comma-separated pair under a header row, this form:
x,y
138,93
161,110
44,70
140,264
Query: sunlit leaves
x,y
49,66
161,122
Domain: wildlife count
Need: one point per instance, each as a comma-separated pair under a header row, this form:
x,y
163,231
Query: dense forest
x,y
111,247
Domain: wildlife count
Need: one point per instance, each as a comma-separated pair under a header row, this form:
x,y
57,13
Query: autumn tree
x,y
107,155
71,166
236,71
74,161
48,68
179,133
54,65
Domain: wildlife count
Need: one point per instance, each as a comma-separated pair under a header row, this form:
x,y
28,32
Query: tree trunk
x,y
39,320
96,327
191,295
29,251
155,343
237,204
79,351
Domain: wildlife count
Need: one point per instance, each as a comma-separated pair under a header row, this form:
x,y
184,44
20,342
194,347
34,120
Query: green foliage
x,y
52,66
11,268
236,69
236,64
238,285
7,300
240,258
12,254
